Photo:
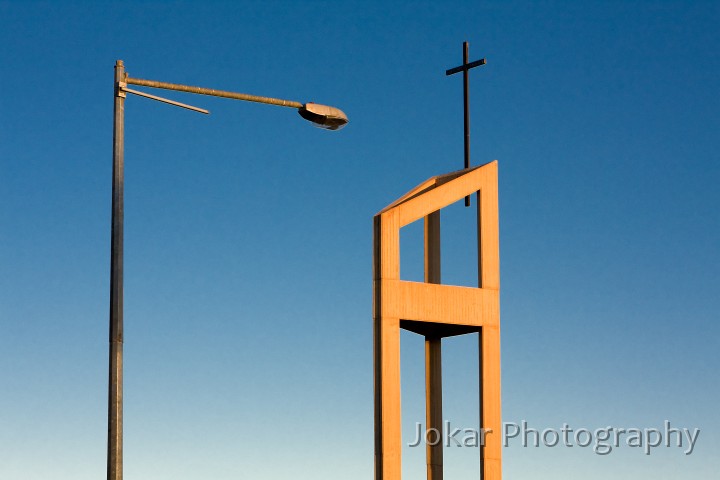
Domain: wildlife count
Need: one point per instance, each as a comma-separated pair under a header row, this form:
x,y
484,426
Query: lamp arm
x,y
212,92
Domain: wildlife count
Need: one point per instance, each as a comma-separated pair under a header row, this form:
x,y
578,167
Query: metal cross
x,y
465,68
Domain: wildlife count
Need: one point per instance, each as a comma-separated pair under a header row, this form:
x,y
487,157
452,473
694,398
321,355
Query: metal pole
x,y
329,117
115,396
466,112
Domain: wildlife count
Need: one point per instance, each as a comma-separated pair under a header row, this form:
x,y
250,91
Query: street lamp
x,y
323,116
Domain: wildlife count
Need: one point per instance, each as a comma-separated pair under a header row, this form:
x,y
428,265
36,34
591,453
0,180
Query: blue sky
x,y
248,325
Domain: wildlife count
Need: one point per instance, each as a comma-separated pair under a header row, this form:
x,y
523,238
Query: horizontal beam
x,y
447,304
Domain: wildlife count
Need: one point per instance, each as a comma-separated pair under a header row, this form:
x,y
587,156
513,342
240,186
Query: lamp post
x,y
321,115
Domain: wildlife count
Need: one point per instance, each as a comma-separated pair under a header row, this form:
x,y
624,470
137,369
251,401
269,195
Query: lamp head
x,y
322,116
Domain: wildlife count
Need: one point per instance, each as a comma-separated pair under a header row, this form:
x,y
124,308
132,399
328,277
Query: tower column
x,y
433,356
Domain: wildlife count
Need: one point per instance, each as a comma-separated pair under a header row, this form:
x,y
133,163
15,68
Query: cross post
x,y
465,68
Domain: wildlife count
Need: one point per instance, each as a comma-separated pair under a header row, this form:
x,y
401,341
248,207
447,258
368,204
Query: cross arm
x,y
467,66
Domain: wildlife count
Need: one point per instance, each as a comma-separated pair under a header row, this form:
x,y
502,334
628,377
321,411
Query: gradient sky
x,y
248,323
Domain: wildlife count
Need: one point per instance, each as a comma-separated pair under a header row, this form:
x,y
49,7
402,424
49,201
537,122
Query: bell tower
x,y
436,311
